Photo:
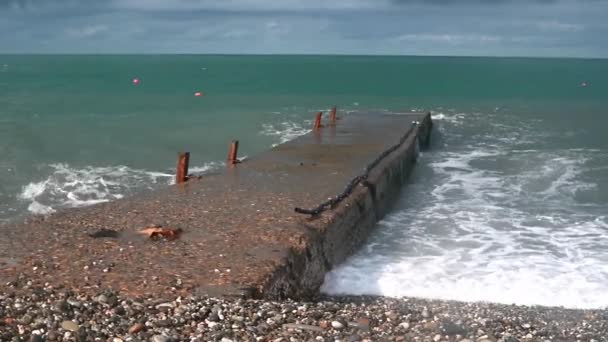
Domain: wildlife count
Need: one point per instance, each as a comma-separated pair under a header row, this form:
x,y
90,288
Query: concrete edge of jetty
x,y
351,222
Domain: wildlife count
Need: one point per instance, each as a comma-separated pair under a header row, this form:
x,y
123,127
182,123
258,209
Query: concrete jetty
x,y
240,232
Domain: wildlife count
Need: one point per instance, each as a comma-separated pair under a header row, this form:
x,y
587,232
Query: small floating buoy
x,y
584,84
135,81
198,93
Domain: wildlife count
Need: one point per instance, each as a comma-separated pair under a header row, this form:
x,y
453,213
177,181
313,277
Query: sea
x,y
509,204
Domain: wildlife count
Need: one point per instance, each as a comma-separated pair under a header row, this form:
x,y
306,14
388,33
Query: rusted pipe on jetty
x,y
232,152
317,123
181,174
332,115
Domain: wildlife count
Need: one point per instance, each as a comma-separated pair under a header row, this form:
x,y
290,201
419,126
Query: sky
x,y
537,28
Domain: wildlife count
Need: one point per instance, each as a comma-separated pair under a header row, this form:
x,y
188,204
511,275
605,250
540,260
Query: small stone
x,y
404,325
302,327
69,326
391,315
102,298
163,323
117,339
425,313
119,310
160,338
431,326
354,338
437,338
361,324
26,319
450,328
337,325
36,338
526,326
51,336
224,339
135,328
61,306
73,302
164,307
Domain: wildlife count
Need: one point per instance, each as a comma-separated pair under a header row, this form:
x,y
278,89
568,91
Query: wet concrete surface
x,y
238,225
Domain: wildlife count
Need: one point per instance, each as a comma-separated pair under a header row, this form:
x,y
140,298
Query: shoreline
x,y
47,314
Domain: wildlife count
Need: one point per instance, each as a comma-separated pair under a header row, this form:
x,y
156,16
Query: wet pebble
x,y
69,326
337,325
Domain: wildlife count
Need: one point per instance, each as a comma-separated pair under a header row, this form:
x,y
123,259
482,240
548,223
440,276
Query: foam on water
x,y
69,187
286,131
488,219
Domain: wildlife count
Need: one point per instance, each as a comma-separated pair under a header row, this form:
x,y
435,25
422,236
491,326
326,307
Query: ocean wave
x,y
70,187
453,118
286,131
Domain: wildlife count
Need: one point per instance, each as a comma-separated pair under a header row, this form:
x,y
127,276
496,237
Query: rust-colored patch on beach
x,y
159,232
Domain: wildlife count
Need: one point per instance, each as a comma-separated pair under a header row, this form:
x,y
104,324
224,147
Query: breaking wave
x,y
69,187
286,131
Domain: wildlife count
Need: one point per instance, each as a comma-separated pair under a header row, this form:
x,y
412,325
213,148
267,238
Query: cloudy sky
x,y
557,28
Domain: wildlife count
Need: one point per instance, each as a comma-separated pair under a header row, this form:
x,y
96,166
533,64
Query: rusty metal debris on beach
x,y
157,232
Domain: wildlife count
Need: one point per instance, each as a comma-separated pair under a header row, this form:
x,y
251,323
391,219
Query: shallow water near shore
x,y
509,204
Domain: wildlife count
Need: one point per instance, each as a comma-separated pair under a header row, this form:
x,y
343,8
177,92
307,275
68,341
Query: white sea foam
x,y
67,187
40,209
285,131
454,118
491,222
211,166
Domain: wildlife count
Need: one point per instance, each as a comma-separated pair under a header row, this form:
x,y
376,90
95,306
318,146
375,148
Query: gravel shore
x,y
51,315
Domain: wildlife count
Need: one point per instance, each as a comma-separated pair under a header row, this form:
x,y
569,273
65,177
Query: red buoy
x,y
198,93
136,81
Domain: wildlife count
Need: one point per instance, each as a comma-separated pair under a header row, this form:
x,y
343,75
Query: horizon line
x,y
288,55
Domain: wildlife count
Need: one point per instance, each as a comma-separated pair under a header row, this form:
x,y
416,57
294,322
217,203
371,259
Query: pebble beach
x,y
47,314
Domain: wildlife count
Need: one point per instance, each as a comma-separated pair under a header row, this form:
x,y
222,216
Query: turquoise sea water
x,y
513,192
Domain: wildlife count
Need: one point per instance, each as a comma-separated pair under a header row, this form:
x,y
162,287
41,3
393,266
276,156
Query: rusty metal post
x,y
317,123
332,115
181,175
232,152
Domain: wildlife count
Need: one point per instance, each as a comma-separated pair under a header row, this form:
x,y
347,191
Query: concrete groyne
x,y
240,234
